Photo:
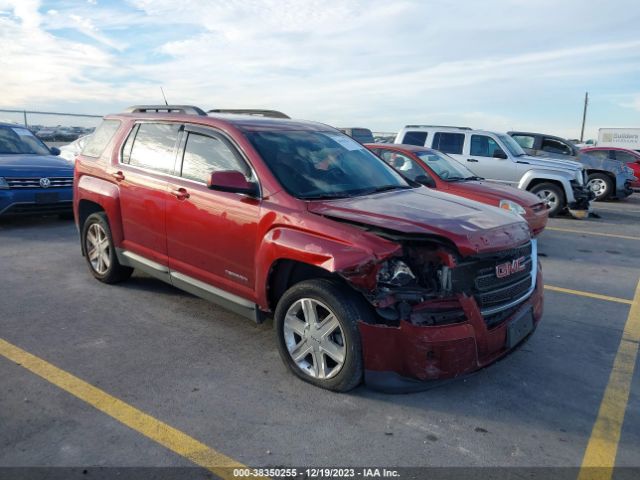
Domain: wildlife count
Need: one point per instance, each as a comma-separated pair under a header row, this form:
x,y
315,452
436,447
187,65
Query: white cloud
x,y
370,62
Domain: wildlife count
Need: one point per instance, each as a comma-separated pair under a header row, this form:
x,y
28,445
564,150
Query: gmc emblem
x,y
509,268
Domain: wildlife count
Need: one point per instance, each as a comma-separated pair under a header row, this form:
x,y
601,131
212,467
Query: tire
x,y
600,184
321,365
548,192
104,266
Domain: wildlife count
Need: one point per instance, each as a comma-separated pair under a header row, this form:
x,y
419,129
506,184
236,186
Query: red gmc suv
x,y
366,274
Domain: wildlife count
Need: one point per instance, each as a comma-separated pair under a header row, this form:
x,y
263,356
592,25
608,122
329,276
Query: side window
x,y
448,142
100,138
598,153
525,141
204,155
405,165
554,146
624,157
154,146
415,138
483,146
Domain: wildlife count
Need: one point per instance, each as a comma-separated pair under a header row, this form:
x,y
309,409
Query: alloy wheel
x,y
549,197
98,249
598,186
314,338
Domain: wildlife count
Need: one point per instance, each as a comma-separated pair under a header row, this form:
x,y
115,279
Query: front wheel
x,y
601,185
317,333
552,195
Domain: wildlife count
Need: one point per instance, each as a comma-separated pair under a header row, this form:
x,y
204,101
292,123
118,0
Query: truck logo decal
x,y
509,268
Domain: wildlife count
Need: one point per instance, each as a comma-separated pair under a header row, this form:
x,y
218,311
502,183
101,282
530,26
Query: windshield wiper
x,y
384,188
326,196
454,179
474,178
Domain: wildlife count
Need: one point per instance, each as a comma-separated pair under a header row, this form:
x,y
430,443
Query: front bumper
x,y
624,185
14,202
581,205
413,358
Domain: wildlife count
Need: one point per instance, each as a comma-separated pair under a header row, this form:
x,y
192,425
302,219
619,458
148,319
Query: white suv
x,y
498,158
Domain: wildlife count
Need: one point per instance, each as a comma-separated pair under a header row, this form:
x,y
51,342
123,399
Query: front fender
x,y
532,175
330,254
107,195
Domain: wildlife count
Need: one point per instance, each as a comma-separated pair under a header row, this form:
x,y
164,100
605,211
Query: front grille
x,y
504,295
493,293
34,182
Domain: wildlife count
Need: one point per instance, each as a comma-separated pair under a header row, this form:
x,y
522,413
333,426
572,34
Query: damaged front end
x,y
440,315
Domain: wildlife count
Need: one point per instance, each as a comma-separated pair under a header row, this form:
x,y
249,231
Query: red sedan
x,y
626,155
437,170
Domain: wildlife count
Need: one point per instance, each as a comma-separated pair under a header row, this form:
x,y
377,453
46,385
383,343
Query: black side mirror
x,y
426,181
55,151
499,154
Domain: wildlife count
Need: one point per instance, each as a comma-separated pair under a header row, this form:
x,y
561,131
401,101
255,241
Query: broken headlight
x,y
396,273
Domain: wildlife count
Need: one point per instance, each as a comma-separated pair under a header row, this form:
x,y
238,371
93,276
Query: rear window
x,y
100,138
448,142
415,138
362,135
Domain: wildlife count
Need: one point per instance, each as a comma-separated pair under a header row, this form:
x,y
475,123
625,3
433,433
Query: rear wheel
x,y
552,195
317,333
100,252
601,185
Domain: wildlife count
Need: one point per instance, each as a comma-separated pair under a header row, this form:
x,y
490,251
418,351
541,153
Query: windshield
x,y
512,145
312,165
19,140
444,166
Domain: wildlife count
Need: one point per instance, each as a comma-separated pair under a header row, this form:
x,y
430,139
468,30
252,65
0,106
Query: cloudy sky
x,y
495,64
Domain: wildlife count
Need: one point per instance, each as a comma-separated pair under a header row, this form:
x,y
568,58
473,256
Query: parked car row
x,y
497,157
396,264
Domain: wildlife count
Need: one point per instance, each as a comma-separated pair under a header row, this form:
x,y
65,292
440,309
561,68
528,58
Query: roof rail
x,y
251,111
439,126
186,109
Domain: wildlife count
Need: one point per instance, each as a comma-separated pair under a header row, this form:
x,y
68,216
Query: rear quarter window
x,y
101,138
448,142
415,138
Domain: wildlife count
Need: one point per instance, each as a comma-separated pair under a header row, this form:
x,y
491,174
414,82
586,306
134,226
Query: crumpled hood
x,y
551,162
473,227
34,166
493,192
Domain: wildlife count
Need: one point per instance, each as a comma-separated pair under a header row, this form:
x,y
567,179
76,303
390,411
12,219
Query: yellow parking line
x,y
600,454
588,232
150,427
588,294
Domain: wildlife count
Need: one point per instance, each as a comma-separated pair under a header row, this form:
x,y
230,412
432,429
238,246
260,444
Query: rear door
x,y
211,235
146,161
479,159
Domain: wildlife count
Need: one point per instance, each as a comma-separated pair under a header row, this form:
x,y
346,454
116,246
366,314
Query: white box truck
x,y
619,137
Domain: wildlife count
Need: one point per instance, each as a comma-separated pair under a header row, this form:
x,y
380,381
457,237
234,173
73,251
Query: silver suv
x,y
498,158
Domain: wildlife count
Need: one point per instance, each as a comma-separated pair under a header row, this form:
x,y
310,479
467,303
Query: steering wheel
x,y
444,175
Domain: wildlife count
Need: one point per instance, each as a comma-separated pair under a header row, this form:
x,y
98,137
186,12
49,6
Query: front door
x,y
480,160
211,235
